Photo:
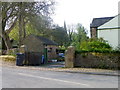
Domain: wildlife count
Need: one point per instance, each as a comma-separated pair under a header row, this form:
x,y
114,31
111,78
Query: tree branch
x,y
12,26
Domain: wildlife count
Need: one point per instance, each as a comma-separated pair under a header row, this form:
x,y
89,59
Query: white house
x,y
110,31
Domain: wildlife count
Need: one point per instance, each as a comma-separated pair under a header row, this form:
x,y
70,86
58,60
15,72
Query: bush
x,y
118,48
8,58
13,52
95,45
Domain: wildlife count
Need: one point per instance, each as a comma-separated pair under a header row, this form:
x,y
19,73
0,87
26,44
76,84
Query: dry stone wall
x,y
91,60
97,60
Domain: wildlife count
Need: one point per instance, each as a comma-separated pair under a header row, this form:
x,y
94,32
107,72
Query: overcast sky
x,y
83,11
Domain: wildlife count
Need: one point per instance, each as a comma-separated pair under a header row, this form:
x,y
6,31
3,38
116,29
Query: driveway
x,y
54,65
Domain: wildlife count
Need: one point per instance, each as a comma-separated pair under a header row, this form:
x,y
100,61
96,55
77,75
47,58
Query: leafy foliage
x,y
95,45
22,12
118,48
80,35
59,35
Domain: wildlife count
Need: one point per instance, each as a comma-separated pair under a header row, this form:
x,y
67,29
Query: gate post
x,y
45,54
69,57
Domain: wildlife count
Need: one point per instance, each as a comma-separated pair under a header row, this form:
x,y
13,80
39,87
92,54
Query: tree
x,y
37,26
42,26
65,27
21,11
59,35
81,33
70,31
77,34
9,13
38,10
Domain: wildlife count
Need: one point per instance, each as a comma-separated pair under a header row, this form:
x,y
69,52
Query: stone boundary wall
x,y
97,60
91,60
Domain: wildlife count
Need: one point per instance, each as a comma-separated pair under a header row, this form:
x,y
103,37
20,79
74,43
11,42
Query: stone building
x,y
36,47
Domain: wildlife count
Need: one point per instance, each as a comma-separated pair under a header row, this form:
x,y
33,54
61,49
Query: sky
x,y
83,11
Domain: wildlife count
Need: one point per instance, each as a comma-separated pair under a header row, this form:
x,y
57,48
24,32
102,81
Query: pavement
x,y
59,67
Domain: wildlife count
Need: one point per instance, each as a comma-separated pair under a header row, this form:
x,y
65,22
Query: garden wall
x,y
97,60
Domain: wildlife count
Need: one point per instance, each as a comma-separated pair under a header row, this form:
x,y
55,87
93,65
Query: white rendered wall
x,y
110,35
108,32
119,37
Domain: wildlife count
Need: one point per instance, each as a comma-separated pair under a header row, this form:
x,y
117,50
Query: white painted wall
x,y
110,35
119,37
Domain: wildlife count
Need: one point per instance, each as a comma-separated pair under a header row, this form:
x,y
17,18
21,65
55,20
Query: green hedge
x,y
86,51
97,51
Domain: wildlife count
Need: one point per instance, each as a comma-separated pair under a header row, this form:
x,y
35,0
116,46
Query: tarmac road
x,y
28,78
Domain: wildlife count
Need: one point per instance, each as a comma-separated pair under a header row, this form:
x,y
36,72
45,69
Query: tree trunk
x,y
6,42
20,24
24,31
3,45
20,31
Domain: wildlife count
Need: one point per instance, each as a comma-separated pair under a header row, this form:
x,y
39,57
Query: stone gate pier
x,y
70,57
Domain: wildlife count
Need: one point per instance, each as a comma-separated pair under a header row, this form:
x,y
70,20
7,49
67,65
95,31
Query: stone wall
x,y
91,60
97,60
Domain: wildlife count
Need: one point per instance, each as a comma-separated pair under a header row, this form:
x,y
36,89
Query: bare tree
x,y
71,29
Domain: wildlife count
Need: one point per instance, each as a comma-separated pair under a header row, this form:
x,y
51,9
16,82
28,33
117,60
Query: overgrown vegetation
x,y
95,44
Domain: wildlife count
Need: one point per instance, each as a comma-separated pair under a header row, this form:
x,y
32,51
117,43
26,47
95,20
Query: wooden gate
x,y
33,58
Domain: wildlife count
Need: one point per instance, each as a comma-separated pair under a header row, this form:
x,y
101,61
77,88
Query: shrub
x,y
95,45
118,48
8,58
13,52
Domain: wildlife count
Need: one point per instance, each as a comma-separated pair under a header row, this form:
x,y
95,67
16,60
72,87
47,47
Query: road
x,y
28,78
0,77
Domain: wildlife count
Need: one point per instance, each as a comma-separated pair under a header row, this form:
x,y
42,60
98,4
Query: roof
x,y
45,41
111,25
100,21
